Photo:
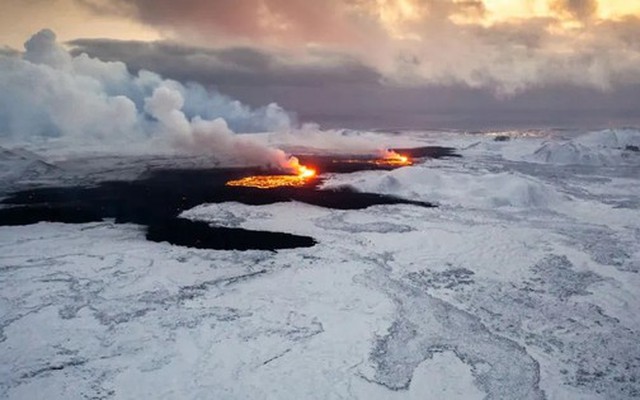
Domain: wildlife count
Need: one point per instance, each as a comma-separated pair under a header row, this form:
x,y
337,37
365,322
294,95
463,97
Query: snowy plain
x,y
523,284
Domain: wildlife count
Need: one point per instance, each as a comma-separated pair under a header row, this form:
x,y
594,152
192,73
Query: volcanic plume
x,y
84,102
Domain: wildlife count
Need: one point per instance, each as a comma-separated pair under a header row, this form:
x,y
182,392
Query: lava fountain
x,y
301,177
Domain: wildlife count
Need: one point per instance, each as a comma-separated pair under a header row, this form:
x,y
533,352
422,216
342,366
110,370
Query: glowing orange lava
x,y
301,178
391,158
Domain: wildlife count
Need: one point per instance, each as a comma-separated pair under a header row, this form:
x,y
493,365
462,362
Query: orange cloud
x,y
508,45
19,19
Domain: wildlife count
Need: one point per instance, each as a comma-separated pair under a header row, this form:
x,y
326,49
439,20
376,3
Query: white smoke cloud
x,y
47,93
310,139
165,104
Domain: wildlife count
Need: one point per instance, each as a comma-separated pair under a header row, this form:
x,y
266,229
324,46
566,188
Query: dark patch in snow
x,y
432,152
556,275
26,215
200,235
193,291
635,149
54,367
448,279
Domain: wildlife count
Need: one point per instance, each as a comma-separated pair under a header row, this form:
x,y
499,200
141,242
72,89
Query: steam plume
x,y
47,93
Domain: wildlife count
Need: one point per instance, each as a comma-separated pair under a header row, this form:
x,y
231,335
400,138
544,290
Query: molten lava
x,y
389,158
393,159
302,176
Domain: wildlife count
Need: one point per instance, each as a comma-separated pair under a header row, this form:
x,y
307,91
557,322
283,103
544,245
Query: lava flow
x,y
302,176
389,159
393,159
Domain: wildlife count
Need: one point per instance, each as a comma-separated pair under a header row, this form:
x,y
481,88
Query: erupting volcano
x,y
302,176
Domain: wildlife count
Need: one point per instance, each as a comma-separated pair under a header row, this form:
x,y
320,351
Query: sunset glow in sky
x,y
504,47
146,20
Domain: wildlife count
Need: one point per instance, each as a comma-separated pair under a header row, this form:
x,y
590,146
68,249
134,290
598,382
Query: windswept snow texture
x,y
523,284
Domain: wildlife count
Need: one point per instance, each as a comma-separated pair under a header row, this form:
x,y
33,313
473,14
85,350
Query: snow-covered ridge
x,y
456,188
603,148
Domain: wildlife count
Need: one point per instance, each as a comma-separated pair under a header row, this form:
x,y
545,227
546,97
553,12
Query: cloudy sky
x,y
372,63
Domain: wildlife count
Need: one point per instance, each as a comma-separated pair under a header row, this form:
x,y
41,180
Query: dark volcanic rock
x,y
157,199
354,163
432,152
26,215
200,235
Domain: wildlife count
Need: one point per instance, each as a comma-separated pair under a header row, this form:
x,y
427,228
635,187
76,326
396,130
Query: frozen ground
x,y
523,284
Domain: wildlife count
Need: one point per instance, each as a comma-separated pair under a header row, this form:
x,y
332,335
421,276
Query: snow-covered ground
x,y
523,284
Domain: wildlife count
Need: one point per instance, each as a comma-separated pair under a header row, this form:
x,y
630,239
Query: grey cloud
x,y
8,51
579,9
233,66
288,20
625,31
338,96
